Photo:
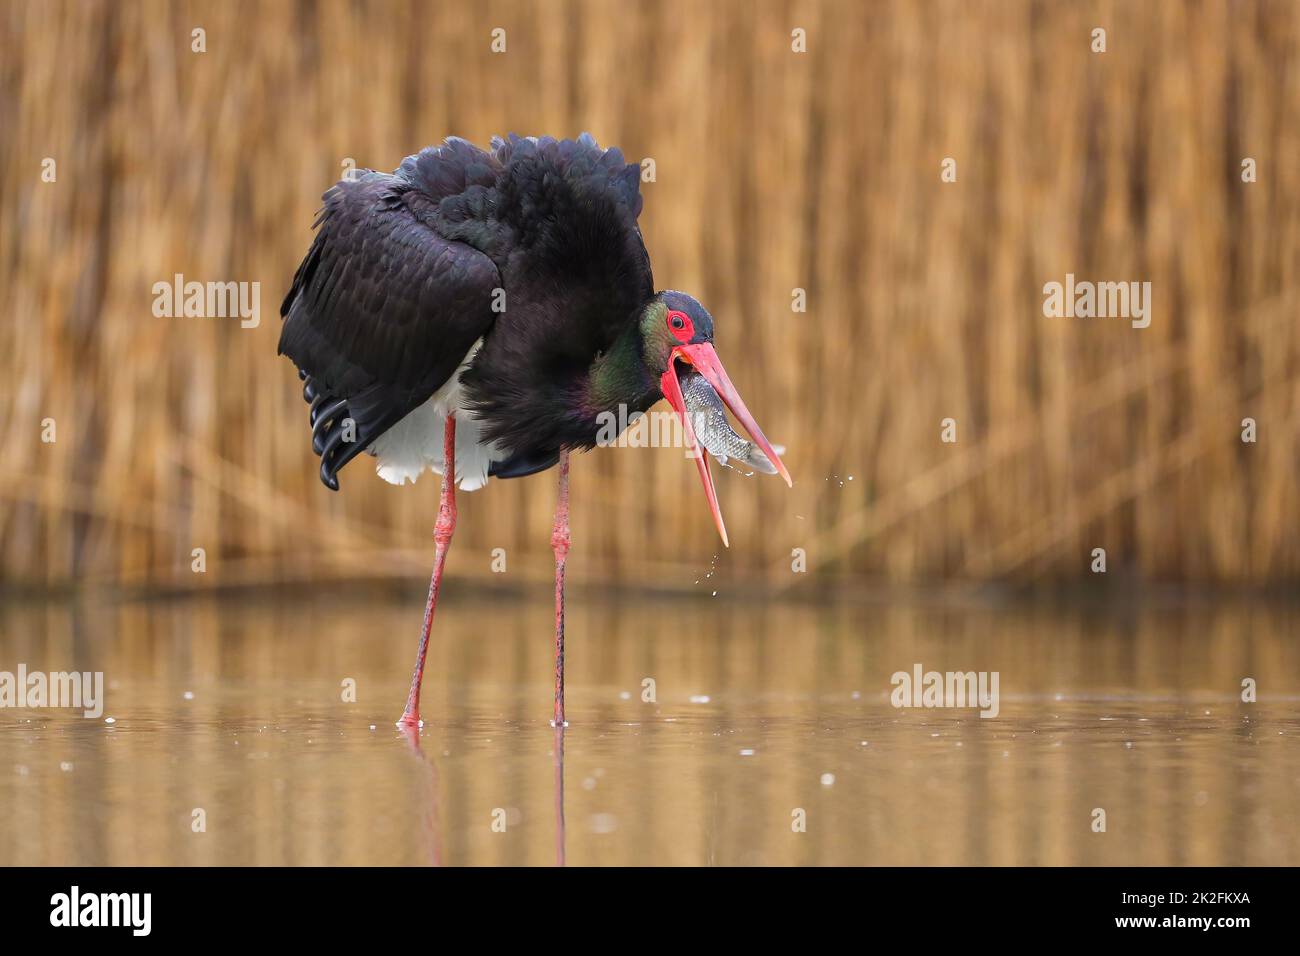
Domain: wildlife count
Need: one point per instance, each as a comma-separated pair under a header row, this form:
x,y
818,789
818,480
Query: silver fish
x,y
708,417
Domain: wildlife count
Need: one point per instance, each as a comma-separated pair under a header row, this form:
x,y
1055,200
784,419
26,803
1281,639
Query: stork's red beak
x,y
705,360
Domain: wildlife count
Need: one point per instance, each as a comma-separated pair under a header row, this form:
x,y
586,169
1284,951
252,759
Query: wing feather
x,y
384,306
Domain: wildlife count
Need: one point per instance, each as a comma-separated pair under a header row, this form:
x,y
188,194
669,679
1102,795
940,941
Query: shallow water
x,y
235,708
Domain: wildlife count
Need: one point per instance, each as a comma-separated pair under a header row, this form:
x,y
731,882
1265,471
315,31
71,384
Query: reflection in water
x,y
559,794
236,708
429,795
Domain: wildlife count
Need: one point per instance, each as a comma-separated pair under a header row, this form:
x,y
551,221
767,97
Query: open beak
x,y
705,360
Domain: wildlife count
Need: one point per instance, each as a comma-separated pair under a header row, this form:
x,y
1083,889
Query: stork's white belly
x,y
415,443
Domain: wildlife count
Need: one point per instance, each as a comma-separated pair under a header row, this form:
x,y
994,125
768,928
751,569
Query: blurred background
x,y
774,171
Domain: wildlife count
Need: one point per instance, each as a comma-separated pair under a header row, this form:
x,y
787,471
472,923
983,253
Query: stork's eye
x,y
681,325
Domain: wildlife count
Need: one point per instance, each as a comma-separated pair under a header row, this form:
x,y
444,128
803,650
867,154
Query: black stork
x,y
483,312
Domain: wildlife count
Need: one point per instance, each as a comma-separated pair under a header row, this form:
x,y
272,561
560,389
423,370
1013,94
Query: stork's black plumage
x,y
506,292
533,247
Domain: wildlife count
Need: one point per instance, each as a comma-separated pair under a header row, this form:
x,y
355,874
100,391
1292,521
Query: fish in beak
x,y
703,360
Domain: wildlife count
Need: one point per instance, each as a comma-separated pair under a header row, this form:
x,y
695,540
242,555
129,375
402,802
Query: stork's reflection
x,y
559,794
429,796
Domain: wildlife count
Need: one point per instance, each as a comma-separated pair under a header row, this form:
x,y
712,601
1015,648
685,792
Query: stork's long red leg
x,y
560,545
442,532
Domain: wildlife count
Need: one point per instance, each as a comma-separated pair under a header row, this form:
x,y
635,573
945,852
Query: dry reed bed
x,y
775,170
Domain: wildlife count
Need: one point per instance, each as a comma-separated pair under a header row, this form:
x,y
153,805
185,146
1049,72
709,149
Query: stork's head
x,y
677,335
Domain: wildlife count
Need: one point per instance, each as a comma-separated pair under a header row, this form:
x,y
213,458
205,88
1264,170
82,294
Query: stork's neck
x,y
620,377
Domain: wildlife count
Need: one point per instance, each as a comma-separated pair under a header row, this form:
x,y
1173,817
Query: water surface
x,y
763,716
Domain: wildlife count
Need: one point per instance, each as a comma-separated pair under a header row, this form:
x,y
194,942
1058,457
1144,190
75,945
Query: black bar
x,y
326,905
